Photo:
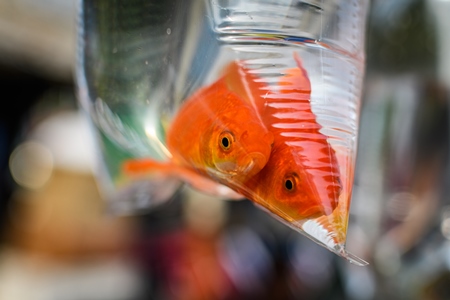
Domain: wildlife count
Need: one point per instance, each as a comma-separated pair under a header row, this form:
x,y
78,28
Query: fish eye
x,y
290,182
226,140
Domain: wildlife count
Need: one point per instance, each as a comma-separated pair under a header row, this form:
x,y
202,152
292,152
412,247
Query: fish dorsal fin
x,y
240,80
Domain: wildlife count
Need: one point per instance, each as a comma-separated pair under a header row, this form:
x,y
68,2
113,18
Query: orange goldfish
x,y
216,134
301,179
220,135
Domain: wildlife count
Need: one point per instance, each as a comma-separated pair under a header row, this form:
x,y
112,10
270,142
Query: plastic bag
x,y
238,99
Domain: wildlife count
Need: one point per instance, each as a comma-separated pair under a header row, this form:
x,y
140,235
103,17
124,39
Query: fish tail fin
x,y
135,167
296,79
240,80
298,60
147,167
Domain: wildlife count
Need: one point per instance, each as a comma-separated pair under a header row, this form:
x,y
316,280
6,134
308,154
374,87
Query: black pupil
x,y
225,142
289,185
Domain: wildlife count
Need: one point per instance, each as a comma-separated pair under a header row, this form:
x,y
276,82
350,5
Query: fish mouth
x,y
228,168
247,167
252,163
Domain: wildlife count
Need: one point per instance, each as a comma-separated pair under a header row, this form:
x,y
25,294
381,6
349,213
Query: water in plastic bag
x,y
238,99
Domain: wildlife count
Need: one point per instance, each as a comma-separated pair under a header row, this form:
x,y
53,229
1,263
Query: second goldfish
x,y
301,179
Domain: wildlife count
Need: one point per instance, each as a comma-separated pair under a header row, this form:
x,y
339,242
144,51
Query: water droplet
x,y
146,62
169,31
114,50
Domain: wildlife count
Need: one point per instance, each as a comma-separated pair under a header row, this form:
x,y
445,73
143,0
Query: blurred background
x,y
58,242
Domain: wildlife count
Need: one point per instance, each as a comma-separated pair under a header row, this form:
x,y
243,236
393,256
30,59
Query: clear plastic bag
x,y
238,99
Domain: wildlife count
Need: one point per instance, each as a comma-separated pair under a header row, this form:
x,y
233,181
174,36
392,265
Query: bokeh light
x,y
31,164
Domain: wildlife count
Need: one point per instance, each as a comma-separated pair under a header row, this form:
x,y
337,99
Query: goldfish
x,y
301,183
220,135
215,134
301,178
296,178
